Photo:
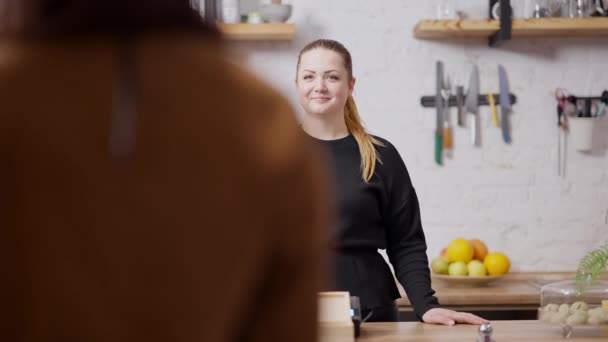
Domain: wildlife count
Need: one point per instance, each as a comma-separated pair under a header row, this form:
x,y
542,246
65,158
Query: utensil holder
x,y
581,132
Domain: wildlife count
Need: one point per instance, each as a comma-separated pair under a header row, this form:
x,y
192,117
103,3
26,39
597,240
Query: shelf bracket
x,y
504,32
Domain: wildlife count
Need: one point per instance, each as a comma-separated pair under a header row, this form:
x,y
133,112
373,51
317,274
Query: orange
x,y
497,263
460,250
480,250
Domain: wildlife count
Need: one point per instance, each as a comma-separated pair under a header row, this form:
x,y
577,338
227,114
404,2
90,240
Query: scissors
x,y
566,102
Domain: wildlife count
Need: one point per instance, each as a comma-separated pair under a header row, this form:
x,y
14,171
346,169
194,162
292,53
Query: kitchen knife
x,y
447,123
505,104
493,109
460,105
472,107
440,106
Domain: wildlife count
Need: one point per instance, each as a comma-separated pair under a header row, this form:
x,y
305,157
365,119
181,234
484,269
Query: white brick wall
x,y
508,196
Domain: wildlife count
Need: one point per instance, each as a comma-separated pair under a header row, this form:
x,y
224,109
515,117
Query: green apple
x,y
458,268
477,268
439,266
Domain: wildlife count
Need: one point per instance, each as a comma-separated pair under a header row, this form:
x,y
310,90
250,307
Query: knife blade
x,y
505,104
472,107
440,106
447,123
460,105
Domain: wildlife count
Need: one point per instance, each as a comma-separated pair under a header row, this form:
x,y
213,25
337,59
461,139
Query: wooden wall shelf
x,y
484,28
258,31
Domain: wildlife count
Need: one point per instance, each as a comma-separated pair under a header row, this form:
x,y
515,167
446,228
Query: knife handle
x,y
447,138
438,147
474,126
493,109
504,123
460,105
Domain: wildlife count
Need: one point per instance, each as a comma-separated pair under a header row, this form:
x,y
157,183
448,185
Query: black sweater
x,y
381,214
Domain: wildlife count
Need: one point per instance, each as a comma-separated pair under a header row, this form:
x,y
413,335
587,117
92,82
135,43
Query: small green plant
x,y
593,264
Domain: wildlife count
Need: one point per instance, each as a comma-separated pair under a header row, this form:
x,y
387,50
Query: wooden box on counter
x,y
335,322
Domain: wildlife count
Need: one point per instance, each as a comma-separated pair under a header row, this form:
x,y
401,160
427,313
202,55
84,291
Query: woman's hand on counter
x,y
451,317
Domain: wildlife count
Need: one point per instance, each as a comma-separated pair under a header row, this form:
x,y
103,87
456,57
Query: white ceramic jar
x,y
230,11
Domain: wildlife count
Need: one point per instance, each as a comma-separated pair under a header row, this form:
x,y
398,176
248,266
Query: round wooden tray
x,y
465,281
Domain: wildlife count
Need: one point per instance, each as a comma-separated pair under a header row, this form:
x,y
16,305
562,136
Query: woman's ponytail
x,y
366,142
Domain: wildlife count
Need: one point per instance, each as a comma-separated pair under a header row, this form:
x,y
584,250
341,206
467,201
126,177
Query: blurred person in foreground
x,y
150,191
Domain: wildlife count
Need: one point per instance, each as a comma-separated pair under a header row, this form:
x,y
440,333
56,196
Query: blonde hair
x,y
354,124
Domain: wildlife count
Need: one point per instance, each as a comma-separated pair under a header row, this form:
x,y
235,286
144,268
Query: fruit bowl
x,y
465,281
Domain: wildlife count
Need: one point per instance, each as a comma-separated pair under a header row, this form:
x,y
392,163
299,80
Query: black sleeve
x,y
406,245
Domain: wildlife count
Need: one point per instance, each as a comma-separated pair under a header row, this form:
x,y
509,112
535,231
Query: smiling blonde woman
x,y
377,204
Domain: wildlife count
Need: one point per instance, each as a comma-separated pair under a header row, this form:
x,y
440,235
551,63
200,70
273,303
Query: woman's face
x,y
323,82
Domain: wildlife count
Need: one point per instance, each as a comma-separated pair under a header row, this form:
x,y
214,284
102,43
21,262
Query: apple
x,y
477,268
458,268
439,266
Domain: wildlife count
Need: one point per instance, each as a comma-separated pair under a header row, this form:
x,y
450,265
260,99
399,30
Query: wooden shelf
x,y
258,31
484,28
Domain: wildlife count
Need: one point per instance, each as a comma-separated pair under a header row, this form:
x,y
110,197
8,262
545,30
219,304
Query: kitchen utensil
x,y
579,8
587,108
541,9
460,105
439,104
447,128
472,107
505,104
560,113
564,108
601,111
496,11
581,129
584,8
562,129
493,109
598,9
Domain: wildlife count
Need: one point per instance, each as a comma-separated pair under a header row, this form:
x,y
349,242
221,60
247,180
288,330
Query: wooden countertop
x,y
504,331
515,289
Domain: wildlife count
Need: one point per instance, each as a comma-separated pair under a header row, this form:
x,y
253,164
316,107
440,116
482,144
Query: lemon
x,y
460,250
497,263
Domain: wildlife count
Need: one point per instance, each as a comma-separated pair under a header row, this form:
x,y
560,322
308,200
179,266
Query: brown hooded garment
x,y
210,229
